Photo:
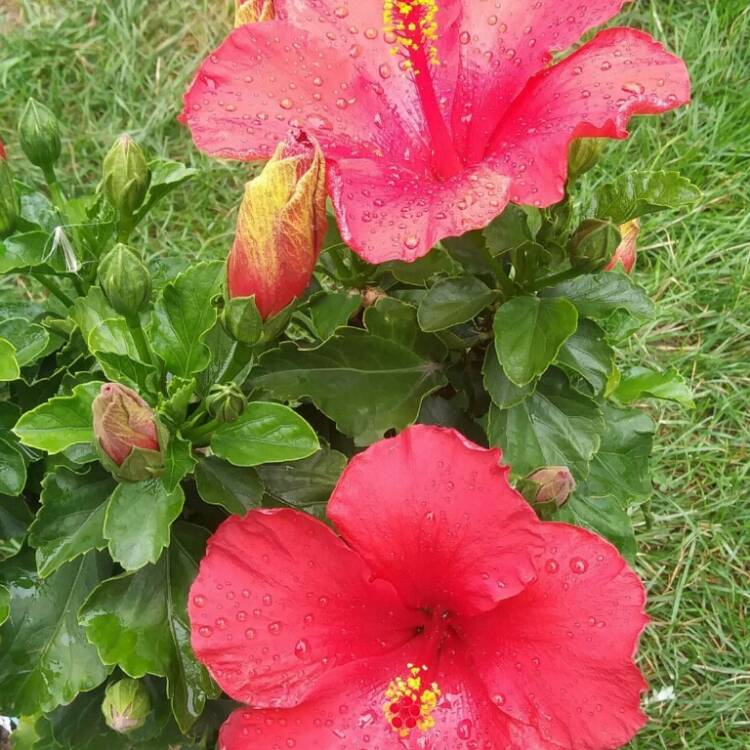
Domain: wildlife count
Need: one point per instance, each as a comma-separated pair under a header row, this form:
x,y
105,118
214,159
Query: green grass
x,y
115,65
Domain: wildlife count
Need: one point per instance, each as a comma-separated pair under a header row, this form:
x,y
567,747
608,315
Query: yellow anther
x,y
413,22
410,702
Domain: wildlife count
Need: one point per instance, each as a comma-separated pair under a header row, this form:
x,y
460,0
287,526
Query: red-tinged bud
x,y
280,228
9,206
626,253
550,484
127,433
253,11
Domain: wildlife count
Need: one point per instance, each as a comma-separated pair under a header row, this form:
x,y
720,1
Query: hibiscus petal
x,y
434,514
594,92
268,77
280,600
505,44
559,656
350,714
387,212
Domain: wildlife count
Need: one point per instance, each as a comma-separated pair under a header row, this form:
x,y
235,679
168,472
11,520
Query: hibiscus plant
x,y
371,480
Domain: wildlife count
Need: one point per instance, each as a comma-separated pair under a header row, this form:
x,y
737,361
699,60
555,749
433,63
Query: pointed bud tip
x,y
549,484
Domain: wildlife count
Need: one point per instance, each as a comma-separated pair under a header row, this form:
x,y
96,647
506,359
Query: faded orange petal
x,y
253,11
627,251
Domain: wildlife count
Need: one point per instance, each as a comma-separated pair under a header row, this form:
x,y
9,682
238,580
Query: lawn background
x,y
121,65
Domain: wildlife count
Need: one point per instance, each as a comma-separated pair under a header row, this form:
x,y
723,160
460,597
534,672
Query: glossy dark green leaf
x,y
12,469
60,422
138,521
45,658
587,353
453,301
396,320
635,194
305,482
509,230
179,395
178,462
4,604
640,382
605,516
30,340
599,295
620,467
15,518
9,369
365,383
139,622
332,310
529,332
182,316
22,252
503,392
71,520
166,176
555,426
264,433
237,489
91,311
436,263
113,345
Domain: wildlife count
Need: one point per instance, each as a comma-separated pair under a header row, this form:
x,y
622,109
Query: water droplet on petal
x,y
301,649
275,627
286,103
199,601
250,634
463,730
551,566
578,565
205,631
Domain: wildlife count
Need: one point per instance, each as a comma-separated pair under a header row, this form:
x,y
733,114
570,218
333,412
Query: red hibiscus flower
x,y
432,114
446,616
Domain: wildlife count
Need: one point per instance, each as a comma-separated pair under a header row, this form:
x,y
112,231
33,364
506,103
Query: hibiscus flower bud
x,y
126,705
627,251
280,228
252,11
127,434
39,133
548,484
125,280
9,207
593,243
126,176
225,402
583,155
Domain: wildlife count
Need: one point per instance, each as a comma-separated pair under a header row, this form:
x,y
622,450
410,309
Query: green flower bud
x,y
593,243
583,155
242,320
125,280
126,705
550,484
9,206
225,402
39,132
126,176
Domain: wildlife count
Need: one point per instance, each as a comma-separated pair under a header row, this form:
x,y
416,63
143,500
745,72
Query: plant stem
x,y
556,278
55,191
139,337
197,433
506,285
53,288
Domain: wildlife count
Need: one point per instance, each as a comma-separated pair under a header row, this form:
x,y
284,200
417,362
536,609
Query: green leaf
x,y
138,521
61,422
139,622
30,340
71,520
509,230
91,311
45,659
112,343
503,392
178,462
179,395
620,467
555,426
4,604
635,194
307,482
332,310
365,383
182,317
453,301
9,369
529,332
265,433
396,321
22,252
604,516
587,353
640,382
15,518
237,489
12,469
417,273
599,295
166,176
